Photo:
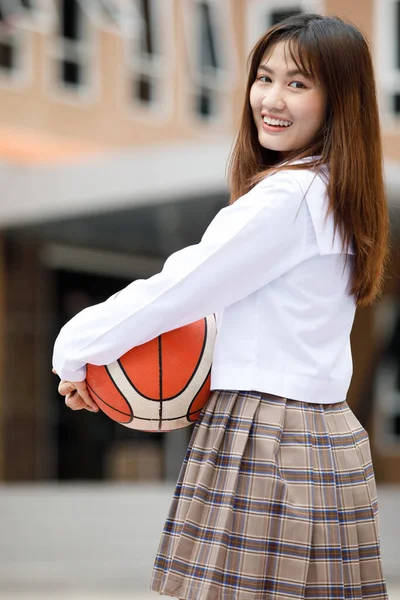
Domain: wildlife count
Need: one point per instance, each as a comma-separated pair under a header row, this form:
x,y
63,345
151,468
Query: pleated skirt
x,y
276,499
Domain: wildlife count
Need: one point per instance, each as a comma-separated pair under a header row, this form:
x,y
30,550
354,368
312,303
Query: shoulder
x,y
306,188
314,190
306,182
304,179
294,193
278,188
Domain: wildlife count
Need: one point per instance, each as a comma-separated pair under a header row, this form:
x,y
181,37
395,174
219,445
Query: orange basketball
x,y
161,385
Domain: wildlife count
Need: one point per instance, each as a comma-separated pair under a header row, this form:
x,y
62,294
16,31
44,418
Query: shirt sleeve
x,y
247,245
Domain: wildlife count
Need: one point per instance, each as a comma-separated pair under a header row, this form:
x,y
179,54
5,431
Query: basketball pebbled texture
x,y
161,385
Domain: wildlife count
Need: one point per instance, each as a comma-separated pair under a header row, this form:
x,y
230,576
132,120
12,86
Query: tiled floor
x,y
47,553
75,595
393,588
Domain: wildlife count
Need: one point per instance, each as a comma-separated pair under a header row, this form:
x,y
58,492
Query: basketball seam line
x,y
189,380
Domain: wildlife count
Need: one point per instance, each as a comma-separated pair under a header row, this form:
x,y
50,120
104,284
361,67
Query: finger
x,y
83,391
54,371
75,402
91,409
88,399
65,387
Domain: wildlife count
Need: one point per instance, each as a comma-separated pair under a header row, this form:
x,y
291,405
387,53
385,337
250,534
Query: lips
x,y
273,129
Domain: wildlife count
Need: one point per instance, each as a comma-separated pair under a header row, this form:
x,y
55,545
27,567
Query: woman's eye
x,y
298,85
264,79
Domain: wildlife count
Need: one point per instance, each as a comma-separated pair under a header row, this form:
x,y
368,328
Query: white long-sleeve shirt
x,y
270,267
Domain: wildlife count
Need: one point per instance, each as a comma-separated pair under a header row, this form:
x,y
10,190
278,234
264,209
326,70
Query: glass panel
x,y
146,37
397,25
144,89
70,15
204,103
396,104
144,84
7,56
208,54
71,72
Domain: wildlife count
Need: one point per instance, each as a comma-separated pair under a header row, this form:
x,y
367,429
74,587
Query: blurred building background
x,y
116,122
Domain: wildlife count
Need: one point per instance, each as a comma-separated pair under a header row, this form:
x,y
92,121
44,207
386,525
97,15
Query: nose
x,y
274,99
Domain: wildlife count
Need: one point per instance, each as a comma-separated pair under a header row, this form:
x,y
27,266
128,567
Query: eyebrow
x,y
292,73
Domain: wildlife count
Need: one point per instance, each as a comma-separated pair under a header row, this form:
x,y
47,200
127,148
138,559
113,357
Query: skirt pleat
x,y
276,499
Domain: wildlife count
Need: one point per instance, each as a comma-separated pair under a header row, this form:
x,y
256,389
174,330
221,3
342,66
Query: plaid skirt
x,y
276,500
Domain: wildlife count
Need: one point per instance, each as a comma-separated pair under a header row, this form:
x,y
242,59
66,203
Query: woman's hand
x,y
77,395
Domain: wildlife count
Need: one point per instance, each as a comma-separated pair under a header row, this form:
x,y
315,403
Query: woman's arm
x,y
248,244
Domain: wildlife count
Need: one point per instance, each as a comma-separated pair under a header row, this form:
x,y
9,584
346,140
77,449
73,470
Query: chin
x,y
281,149
274,145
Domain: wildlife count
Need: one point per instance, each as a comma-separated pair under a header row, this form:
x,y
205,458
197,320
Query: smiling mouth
x,y
278,123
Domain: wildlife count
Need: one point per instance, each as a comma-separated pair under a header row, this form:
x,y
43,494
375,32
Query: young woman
x,y
276,498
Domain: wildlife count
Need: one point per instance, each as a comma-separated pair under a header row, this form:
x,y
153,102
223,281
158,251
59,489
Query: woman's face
x,y
288,108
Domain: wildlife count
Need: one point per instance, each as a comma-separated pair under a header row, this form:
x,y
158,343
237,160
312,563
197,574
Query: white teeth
x,y
277,122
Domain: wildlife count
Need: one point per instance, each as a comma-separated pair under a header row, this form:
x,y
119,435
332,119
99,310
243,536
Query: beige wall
x,y
108,120
359,12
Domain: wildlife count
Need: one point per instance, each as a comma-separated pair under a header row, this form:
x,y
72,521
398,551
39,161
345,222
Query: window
x,y
116,15
396,94
396,104
109,11
71,32
8,51
12,40
15,7
14,11
263,15
147,53
208,61
74,50
144,84
387,49
207,27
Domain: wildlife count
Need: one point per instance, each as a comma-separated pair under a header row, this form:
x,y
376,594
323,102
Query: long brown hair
x,y
336,54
